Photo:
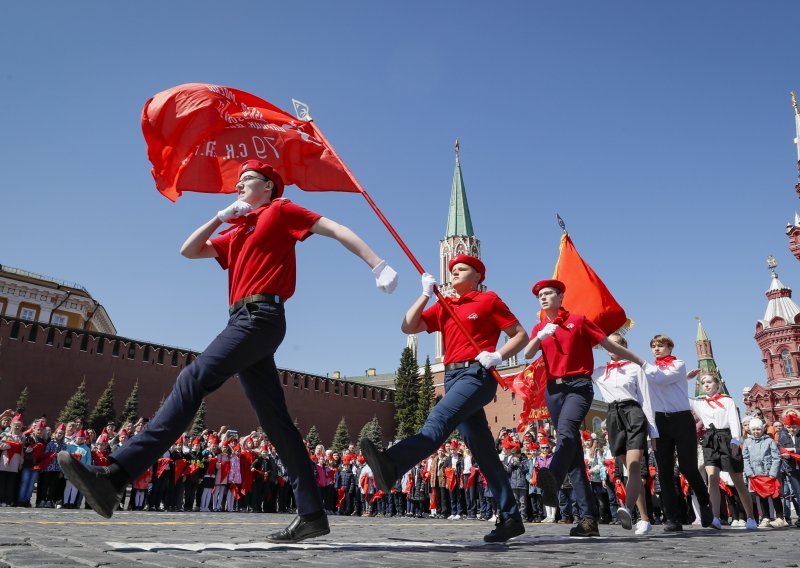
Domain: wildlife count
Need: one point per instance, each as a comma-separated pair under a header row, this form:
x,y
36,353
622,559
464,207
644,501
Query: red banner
x,y
198,134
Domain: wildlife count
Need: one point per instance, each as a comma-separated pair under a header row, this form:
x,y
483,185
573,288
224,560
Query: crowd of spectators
x,y
221,471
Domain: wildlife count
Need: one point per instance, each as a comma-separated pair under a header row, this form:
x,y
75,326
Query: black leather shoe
x,y
94,483
505,529
672,527
585,527
299,530
383,469
549,486
706,515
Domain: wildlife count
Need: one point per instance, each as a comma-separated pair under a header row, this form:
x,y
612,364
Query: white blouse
x,y
627,382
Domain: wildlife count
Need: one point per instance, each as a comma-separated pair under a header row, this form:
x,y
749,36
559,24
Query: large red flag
x,y
586,295
198,134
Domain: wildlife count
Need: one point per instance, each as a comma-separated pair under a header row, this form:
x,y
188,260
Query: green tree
x,y
372,431
341,438
427,394
312,438
199,423
77,405
22,401
103,412
406,395
130,411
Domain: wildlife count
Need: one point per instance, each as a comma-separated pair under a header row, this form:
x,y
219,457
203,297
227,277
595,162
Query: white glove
x,y
385,277
489,360
548,330
428,282
234,210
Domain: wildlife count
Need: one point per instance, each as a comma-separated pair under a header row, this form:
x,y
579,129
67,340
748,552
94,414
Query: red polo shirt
x,y
484,315
568,352
258,252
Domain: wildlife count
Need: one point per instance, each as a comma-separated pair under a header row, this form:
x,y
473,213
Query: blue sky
x,y
662,134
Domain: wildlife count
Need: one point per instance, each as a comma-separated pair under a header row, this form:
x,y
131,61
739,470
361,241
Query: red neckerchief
x,y
560,318
714,400
614,365
665,362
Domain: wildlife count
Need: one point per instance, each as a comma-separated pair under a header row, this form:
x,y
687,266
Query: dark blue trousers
x,y
467,391
568,404
247,347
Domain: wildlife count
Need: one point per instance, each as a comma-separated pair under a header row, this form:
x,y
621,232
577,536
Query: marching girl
x,y
721,446
630,420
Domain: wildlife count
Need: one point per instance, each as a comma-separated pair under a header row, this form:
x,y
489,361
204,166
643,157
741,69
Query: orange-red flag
x,y
586,294
199,134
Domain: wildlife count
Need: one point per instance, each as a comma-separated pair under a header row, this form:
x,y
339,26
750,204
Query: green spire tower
x,y
705,362
459,237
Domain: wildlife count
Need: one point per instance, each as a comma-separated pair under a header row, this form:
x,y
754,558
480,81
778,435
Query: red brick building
x,y
51,361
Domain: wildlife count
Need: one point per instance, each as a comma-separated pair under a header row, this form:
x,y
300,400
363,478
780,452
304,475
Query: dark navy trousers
x,y
568,403
467,391
246,346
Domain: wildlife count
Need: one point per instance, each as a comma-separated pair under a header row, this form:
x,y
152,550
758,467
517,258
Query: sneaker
x,y
624,518
549,520
672,527
738,524
716,524
764,524
751,524
492,519
643,527
383,470
299,530
505,529
549,486
587,526
94,483
779,523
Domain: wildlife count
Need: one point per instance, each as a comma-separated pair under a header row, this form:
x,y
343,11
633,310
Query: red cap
x,y
470,261
81,434
197,442
508,443
62,427
346,460
102,438
266,170
454,443
557,284
212,440
123,431
361,459
545,442
791,419
17,417
40,424
533,446
586,435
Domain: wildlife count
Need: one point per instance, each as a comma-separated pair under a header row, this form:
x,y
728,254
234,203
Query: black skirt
x,y
717,450
627,427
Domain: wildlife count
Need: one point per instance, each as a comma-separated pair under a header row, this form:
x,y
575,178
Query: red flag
x,y
198,135
450,476
163,464
765,486
340,502
180,467
620,490
725,489
586,294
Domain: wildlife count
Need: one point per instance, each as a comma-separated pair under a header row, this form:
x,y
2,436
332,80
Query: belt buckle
x,y
559,381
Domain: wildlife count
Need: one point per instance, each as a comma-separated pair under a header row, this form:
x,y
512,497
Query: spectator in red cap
x,y
11,448
258,251
50,487
468,385
566,341
81,452
32,455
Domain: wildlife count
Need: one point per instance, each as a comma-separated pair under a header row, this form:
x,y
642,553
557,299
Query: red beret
x,y
557,284
545,442
791,419
266,170
121,432
361,459
470,261
196,442
81,434
533,446
586,435
17,418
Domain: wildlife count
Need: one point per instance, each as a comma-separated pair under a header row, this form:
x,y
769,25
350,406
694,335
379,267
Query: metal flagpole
x,y
302,112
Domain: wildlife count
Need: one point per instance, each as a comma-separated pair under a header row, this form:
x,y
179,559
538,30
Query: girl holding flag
x,y
721,446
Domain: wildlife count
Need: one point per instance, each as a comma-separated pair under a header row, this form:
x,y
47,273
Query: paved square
x,y
42,537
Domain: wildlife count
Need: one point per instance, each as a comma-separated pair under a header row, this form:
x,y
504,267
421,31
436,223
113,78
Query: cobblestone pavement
x,y
42,538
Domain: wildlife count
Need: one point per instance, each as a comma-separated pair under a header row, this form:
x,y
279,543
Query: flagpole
x,y
403,246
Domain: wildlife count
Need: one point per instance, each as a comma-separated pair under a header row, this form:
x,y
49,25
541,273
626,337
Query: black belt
x,y
623,403
565,380
268,298
461,365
